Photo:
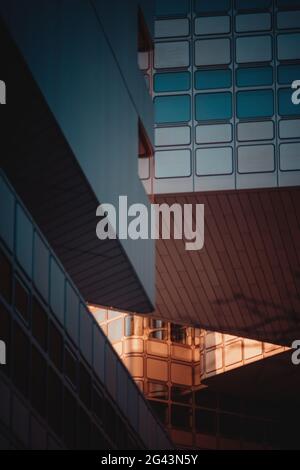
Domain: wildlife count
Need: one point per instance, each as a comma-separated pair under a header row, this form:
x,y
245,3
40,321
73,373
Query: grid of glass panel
x,y
222,94
56,380
168,360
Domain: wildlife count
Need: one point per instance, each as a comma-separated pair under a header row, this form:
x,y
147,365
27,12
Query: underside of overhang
x,y
275,377
246,279
43,170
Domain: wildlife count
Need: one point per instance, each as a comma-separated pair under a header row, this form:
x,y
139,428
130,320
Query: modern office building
x,y
228,136
210,390
205,335
71,85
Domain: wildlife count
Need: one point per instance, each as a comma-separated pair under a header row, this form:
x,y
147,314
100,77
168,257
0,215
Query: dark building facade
x,y
62,386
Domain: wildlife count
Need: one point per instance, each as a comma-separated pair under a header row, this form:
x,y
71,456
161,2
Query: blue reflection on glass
x,y
172,108
288,73
252,104
180,81
254,76
211,79
285,104
213,106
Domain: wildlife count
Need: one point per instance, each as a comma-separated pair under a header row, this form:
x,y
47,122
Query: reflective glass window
x,y
213,106
173,164
172,109
254,76
212,79
288,46
252,104
115,330
158,391
164,82
253,49
285,104
288,73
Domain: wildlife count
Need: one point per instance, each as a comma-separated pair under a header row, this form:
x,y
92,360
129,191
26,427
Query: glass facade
x,y
170,362
222,76
63,386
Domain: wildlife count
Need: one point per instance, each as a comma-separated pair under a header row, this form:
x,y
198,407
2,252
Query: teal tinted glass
x,y
285,104
172,7
204,6
180,81
288,3
254,76
252,104
211,79
172,109
252,4
213,106
288,73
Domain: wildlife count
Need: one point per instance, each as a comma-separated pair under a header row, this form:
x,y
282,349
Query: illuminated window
x,y
134,326
115,330
159,330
